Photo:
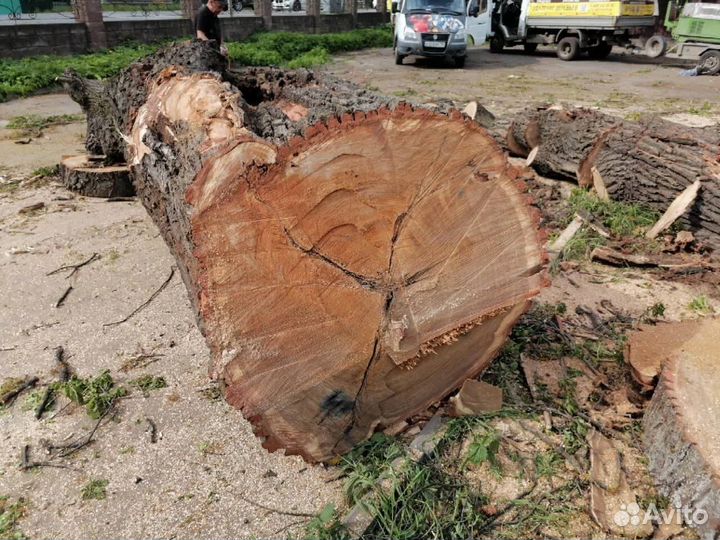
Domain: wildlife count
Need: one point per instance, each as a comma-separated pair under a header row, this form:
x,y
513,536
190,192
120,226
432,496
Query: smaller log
x,y
93,179
681,432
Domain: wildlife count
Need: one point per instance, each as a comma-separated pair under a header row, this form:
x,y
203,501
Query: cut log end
x,y
373,285
681,432
92,179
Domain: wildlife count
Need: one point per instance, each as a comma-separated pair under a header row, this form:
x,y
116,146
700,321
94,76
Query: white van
x,y
439,28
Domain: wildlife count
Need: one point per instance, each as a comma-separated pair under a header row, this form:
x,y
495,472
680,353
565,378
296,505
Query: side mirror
x,y
395,8
474,10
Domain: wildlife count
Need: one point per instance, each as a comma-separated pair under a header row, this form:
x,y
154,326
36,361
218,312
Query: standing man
x,y
207,23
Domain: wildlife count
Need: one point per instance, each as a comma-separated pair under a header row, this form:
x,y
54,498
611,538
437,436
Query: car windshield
x,y
455,7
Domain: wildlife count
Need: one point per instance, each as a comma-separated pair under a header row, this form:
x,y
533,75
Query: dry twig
x,y
147,302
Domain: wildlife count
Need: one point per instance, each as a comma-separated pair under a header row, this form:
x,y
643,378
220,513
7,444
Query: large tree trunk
x,y
682,434
351,259
649,162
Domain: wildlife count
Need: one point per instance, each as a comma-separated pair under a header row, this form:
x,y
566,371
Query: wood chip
x,y
532,155
650,346
678,207
599,185
471,109
32,208
476,397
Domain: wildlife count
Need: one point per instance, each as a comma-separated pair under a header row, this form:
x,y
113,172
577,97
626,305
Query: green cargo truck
x,y
694,33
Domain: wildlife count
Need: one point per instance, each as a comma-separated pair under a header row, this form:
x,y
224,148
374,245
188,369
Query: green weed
x,y
44,172
706,109
10,514
326,526
701,305
657,310
34,399
96,394
146,383
484,447
95,490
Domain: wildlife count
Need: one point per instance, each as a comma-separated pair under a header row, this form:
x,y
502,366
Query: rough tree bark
x,y
351,259
681,433
649,162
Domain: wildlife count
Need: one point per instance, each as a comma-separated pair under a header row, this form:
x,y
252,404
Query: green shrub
x,y
22,77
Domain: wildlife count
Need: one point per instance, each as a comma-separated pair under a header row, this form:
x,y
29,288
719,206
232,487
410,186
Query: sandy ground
x,y
194,482
197,479
506,83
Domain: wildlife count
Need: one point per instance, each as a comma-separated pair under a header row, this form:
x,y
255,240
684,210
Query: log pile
x,y
650,162
351,258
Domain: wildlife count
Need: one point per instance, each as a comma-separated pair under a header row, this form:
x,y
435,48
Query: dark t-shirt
x,y
208,23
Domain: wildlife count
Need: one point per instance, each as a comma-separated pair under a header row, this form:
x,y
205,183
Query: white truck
x,y
439,28
573,26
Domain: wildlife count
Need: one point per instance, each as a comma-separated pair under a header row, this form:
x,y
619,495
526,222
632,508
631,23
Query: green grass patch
x,y
326,526
96,394
146,383
10,514
33,124
622,220
23,77
95,490
27,75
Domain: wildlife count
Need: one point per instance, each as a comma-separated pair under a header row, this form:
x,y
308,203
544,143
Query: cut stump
x,y
351,259
92,179
681,428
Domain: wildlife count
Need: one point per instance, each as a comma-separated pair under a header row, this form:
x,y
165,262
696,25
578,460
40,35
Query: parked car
x,y
239,5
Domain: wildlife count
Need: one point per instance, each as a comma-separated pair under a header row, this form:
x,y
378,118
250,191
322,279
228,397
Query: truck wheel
x,y
568,48
399,59
460,61
655,46
600,51
530,47
710,62
496,44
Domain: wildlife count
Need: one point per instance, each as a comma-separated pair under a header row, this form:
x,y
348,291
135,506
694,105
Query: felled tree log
x,y
681,431
351,259
649,162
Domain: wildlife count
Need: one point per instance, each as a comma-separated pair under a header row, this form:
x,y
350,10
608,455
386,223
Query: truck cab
x,y
695,31
439,28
